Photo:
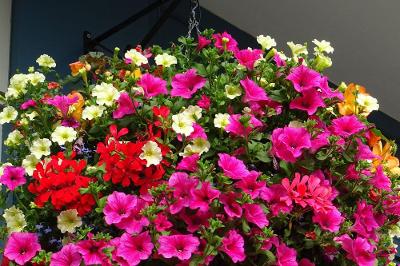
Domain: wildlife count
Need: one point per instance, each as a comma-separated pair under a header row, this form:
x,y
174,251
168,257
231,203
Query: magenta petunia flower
x,y
181,184
253,92
248,57
250,185
180,246
204,102
13,176
135,248
288,143
152,86
231,207
62,103
27,104
330,220
235,127
125,106
186,84
162,223
198,132
21,247
233,245
195,220
232,167
67,256
304,78
285,256
278,198
279,61
189,163
255,214
118,207
327,92
135,222
309,102
380,180
358,250
203,196
346,126
225,42
92,251
116,243
365,221
306,262
202,42
364,152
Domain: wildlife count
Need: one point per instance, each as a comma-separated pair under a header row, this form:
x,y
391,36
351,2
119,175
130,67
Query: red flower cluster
x,y
58,182
122,163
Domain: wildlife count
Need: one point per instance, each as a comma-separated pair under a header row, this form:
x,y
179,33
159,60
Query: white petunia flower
x,y
14,138
151,153
40,147
232,91
68,221
367,103
106,94
221,120
193,112
29,163
266,42
165,60
297,49
323,46
92,112
36,78
62,135
17,86
46,61
181,124
200,145
31,115
136,57
8,114
15,219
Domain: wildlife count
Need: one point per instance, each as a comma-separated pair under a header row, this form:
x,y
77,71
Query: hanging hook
x,y
194,19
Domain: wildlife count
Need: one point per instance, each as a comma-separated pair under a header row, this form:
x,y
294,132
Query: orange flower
x,y
76,108
75,67
349,105
390,162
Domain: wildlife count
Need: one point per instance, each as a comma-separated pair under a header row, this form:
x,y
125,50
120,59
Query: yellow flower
x,y
40,147
92,112
136,57
36,78
8,114
46,61
105,93
15,219
322,46
297,49
29,163
193,112
221,120
151,153
232,91
62,135
14,138
266,42
165,60
68,221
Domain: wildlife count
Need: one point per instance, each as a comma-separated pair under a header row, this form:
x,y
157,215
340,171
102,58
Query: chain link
x,y
195,17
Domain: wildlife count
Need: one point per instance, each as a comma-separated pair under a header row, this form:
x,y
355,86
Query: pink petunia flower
x,y
116,243
135,248
198,132
253,92
364,152
62,103
204,102
152,86
391,205
310,101
358,250
235,126
13,176
135,222
202,42
278,198
231,207
306,262
92,251
21,247
304,78
203,196
125,106
380,180
186,84
225,42
232,167
118,206
250,185
255,214
327,92
189,163
285,256
365,221
162,223
27,104
248,57
288,142
67,256
279,61
330,220
181,184
180,246
233,245
346,126
195,220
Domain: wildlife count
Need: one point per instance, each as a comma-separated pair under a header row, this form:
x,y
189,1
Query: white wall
x,y
5,27
364,33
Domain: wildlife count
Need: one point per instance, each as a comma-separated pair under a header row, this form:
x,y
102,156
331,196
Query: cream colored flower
x,y
193,112
15,219
165,60
40,147
151,153
232,91
18,84
14,138
8,114
266,42
221,120
92,112
36,78
68,221
105,93
297,49
31,115
322,46
136,58
367,103
181,124
29,163
46,61
200,145
62,135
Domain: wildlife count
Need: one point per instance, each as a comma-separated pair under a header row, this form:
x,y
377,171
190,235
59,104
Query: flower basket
x,y
202,153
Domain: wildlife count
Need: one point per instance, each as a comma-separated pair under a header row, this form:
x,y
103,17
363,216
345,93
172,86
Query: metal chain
x,y
195,17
